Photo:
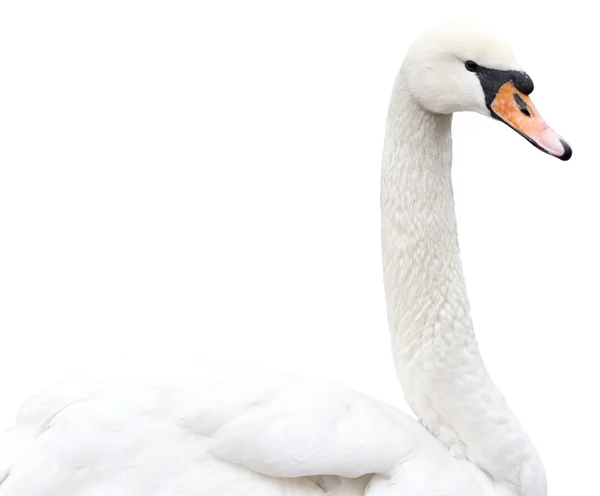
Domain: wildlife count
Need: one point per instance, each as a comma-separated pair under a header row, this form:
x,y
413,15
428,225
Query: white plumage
x,y
210,429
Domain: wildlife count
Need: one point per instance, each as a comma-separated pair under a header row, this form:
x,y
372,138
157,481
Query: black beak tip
x,y
568,152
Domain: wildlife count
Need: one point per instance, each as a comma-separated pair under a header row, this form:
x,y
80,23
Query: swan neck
x,y
427,304
435,352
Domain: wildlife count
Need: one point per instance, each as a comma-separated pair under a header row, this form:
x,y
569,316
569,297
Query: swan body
x,y
218,429
227,430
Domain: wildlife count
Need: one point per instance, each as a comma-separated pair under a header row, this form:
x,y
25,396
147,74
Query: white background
x,y
201,178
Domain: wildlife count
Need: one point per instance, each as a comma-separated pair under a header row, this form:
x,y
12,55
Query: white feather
x,y
215,429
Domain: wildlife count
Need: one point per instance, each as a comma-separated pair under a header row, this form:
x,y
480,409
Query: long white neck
x,y
435,351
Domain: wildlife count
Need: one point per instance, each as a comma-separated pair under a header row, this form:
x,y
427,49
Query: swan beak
x,y
516,109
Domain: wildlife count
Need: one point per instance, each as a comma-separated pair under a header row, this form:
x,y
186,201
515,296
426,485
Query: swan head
x,y
459,67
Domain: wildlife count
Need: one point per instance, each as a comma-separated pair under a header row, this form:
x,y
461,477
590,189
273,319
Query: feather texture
x,y
213,429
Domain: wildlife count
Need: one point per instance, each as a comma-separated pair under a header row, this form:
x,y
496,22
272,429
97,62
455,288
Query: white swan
x,y
224,430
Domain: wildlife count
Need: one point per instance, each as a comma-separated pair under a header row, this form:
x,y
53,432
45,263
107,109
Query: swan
x,y
219,429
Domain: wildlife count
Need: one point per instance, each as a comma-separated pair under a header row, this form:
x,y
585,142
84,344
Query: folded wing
x,y
212,426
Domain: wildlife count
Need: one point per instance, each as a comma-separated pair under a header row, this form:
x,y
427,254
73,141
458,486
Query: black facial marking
x,y
522,105
492,80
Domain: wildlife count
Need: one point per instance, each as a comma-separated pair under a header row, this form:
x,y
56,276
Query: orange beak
x,y
517,110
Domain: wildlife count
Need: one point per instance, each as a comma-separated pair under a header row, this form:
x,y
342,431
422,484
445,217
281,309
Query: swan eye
x,y
471,66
